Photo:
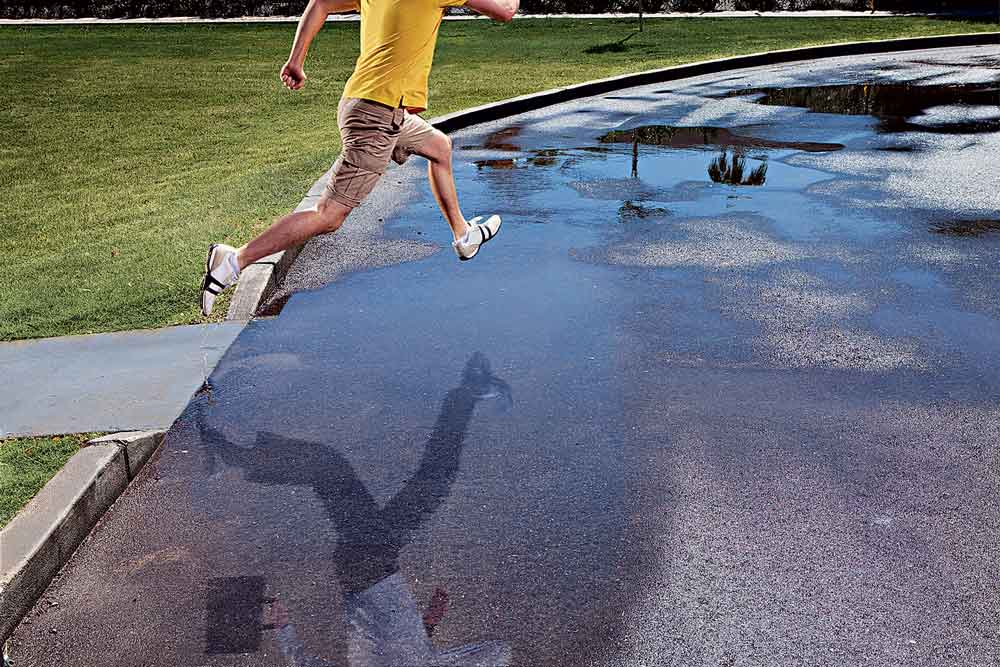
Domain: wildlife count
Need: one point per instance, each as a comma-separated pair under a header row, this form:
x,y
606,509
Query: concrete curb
x,y
259,280
43,536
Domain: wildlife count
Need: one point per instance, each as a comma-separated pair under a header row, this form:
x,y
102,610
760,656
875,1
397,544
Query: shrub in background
x,y
148,8
757,5
231,8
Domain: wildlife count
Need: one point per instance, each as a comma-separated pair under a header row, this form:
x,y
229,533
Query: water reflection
x,y
501,139
726,169
539,158
630,211
385,626
695,137
503,163
893,104
731,171
970,228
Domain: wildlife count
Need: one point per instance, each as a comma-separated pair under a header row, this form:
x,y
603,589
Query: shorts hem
x,y
340,198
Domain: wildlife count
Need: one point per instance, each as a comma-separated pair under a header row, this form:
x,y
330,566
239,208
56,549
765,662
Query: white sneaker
x,y
221,271
478,234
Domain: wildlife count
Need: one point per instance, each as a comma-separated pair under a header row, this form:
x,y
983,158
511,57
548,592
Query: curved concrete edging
x,y
261,279
42,537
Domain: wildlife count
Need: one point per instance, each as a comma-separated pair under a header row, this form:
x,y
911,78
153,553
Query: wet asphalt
x,y
724,391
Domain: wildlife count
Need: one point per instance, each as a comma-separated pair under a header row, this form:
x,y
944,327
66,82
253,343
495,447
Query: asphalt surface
x,y
705,401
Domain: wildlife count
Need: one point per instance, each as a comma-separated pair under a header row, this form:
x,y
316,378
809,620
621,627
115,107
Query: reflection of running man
x,y
378,123
387,630
385,627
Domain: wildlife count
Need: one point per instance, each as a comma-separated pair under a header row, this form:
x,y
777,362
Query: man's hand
x,y
293,76
313,18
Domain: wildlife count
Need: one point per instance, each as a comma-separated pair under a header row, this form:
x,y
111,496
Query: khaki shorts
x,y
372,134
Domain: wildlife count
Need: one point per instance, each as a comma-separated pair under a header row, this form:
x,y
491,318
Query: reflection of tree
x,y
731,171
547,157
695,137
502,140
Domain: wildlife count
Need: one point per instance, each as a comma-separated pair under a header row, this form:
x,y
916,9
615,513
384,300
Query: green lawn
x,y
26,464
127,149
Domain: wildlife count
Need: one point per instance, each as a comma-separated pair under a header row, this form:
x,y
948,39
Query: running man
x,y
378,120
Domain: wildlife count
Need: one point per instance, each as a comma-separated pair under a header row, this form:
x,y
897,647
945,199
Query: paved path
x,y
132,380
664,419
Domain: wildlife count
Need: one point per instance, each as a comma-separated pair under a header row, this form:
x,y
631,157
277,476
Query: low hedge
x,y
233,8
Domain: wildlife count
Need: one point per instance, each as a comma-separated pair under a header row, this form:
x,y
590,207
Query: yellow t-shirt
x,y
397,47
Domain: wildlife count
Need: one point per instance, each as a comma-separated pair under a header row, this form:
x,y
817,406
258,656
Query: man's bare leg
x,y
293,229
437,150
224,262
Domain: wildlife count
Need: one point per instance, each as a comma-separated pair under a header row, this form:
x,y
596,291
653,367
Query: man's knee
x,y
437,147
445,141
332,213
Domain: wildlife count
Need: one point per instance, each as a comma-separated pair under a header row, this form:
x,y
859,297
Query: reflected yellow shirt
x,y
397,48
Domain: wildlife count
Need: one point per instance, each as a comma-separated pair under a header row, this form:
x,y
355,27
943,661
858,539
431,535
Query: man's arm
x,y
498,10
313,18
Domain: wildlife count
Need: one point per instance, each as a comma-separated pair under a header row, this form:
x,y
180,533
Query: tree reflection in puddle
x,y
694,137
731,172
723,169
385,627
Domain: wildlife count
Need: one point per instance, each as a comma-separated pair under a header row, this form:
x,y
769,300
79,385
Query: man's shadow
x,y
385,626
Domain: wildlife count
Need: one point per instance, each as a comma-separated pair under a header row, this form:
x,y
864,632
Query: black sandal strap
x,y
212,285
209,278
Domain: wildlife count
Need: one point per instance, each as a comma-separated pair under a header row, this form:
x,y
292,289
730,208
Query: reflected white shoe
x,y
221,271
479,233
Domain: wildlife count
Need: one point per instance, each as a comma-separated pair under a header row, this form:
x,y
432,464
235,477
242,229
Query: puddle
x,y
507,163
501,140
966,228
895,105
695,137
630,211
540,158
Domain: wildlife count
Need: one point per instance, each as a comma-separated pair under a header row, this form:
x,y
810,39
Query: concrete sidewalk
x,y
132,380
